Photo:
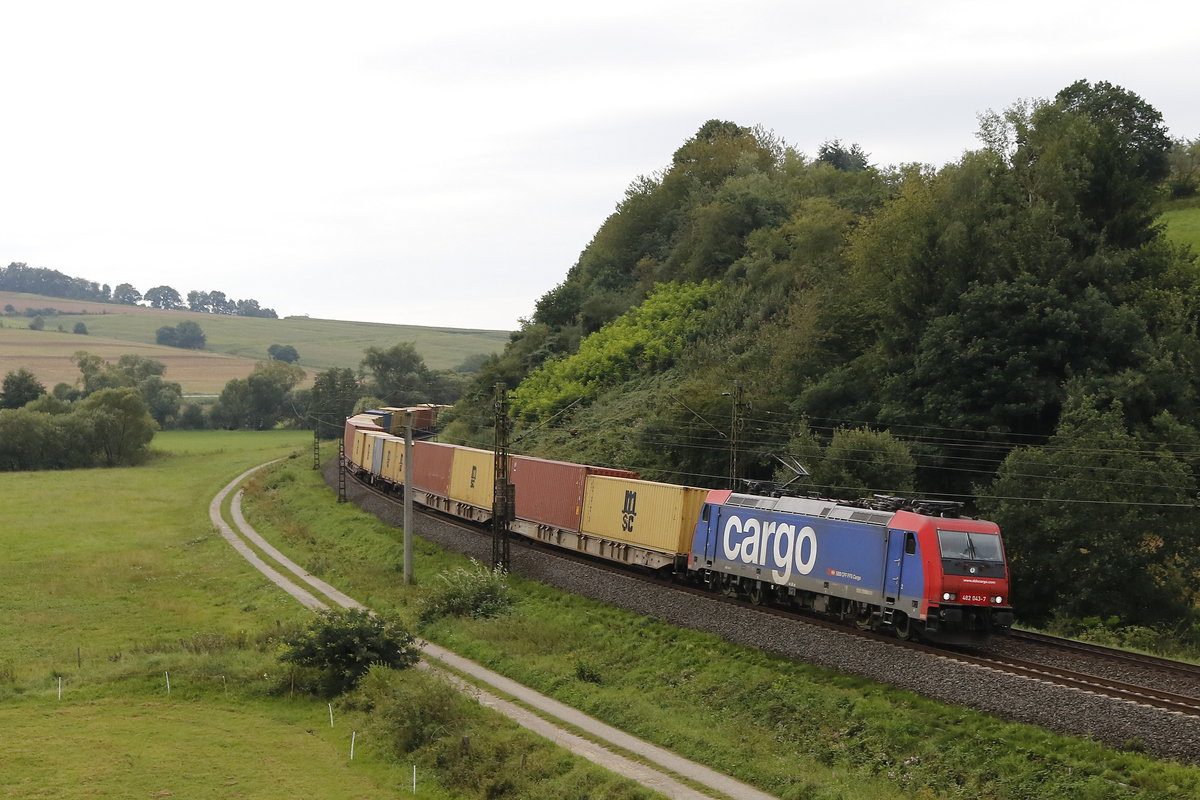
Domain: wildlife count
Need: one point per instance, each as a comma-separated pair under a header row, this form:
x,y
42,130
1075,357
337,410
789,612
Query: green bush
x,y
410,710
474,591
342,646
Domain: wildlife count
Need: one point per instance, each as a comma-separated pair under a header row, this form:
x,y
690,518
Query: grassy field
x,y
1182,220
794,730
115,584
243,340
49,354
113,580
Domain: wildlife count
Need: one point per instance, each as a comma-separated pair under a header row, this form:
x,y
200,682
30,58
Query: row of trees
x,y
392,376
20,277
269,397
213,302
1011,330
105,425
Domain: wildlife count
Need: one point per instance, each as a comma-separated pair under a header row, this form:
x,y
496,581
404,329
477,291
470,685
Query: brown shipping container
x,y
473,476
654,516
551,492
432,462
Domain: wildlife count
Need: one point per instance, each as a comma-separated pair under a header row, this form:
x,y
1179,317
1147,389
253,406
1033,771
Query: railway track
x,y
1135,690
1156,663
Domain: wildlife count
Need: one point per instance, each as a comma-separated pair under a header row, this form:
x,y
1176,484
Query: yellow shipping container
x,y
363,441
654,516
373,452
473,476
393,459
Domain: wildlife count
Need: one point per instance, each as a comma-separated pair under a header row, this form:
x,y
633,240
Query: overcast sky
x,y
445,163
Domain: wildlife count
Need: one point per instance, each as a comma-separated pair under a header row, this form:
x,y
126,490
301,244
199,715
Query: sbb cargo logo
x,y
770,544
837,573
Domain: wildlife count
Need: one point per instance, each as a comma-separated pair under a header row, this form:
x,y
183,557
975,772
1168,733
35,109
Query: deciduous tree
x,y
120,423
400,375
1097,521
283,352
163,297
20,387
126,294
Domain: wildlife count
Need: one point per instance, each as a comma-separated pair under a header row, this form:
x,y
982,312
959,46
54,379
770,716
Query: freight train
x,y
915,568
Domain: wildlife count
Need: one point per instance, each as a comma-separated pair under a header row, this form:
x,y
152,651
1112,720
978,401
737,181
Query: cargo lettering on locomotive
x,y
629,512
757,540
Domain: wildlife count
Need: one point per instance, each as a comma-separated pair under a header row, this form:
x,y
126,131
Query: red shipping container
x,y
551,492
432,462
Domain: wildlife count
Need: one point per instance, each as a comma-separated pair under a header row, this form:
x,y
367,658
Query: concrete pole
x,y
408,493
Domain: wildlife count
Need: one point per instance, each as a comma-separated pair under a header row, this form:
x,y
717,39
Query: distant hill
x,y
234,344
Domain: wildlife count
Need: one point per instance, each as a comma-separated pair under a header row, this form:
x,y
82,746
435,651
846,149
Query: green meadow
x,y
1182,222
233,344
321,343
115,582
139,651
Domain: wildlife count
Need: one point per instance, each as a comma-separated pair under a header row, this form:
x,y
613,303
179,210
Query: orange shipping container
x,y
654,516
432,462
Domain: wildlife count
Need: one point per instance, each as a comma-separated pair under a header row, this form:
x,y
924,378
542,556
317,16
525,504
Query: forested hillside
x,y
1010,330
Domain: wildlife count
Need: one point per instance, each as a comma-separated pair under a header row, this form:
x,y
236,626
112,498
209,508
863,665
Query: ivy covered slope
x,y
1012,330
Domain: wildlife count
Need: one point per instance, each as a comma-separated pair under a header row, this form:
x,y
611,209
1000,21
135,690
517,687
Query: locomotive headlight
x,y
997,599
949,596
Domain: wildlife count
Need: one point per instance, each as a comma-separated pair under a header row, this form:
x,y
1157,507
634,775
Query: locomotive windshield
x,y
972,546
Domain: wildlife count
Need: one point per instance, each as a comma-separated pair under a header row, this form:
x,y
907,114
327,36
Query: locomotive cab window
x,y
970,545
910,544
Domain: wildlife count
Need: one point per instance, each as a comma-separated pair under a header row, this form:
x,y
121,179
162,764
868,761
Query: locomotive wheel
x,y
904,628
757,593
863,620
728,587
